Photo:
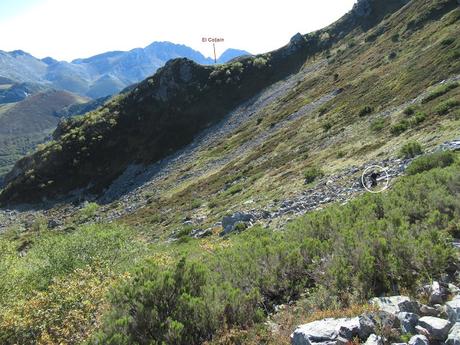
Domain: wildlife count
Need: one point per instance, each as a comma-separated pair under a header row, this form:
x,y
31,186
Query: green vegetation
x,y
59,285
419,118
312,173
367,247
327,126
448,41
329,262
234,189
399,127
409,111
378,125
435,160
365,111
88,211
444,107
439,91
410,150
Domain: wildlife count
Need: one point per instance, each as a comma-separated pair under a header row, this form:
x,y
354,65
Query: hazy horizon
x,y
66,30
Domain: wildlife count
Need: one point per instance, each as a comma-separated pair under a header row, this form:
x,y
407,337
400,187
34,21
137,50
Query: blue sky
x,y
10,8
69,29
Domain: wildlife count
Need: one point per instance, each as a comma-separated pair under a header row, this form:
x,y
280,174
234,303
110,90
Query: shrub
x,y
399,127
409,111
448,41
323,110
392,55
418,119
63,314
196,203
259,62
373,245
234,189
88,211
444,107
55,255
378,125
173,306
327,126
312,173
410,150
435,160
439,91
365,111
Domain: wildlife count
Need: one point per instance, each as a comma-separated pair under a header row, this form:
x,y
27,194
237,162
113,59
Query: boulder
x,y
453,289
437,328
395,304
366,326
374,340
428,311
453,337
418,340
437,294
229,222
326,331
453,310
200,233
349,328
408,321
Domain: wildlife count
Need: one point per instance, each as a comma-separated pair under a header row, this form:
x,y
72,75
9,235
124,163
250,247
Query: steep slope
x,y
162,114
15,92
125,128
207,245
26,123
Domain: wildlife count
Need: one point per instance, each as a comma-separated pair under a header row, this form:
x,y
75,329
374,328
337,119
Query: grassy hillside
x,y
196,290
25,124
369,89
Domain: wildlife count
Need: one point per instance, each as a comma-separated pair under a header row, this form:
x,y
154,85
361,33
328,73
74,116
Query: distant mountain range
x,y
36,93
100,75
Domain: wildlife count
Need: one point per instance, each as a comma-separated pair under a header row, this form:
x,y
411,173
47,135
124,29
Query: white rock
x,y
395,304
326,330
374,340
454,335
436,295
437,328
453,289
418,340
408,321
453,310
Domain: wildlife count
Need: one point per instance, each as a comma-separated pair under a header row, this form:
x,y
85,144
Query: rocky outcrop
x,y
434,327
454,335
326,331
398,315
395,304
